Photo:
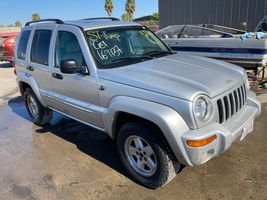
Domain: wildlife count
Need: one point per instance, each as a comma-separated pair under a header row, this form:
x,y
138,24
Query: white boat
x,y
217,42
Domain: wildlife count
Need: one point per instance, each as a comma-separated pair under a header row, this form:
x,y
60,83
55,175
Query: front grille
x,y
231,103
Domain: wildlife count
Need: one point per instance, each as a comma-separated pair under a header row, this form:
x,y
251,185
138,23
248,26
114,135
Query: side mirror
x,y
69,66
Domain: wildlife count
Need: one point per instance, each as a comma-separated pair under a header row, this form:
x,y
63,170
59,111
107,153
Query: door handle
x,y
30,68
57,76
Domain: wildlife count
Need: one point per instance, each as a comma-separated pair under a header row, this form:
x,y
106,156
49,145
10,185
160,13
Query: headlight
x,y
203,109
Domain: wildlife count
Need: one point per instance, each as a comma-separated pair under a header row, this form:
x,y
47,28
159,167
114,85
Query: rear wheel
x,y
146,156
39,114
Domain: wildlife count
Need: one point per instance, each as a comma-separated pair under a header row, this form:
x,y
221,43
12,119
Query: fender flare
x,y
27,78
168,120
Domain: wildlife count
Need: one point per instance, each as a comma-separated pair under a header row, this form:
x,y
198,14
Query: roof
x,y
93,24
86,24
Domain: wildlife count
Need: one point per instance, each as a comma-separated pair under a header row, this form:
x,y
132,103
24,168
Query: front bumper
x,y
226,133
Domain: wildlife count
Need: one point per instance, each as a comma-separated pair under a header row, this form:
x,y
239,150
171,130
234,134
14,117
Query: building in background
x,y
241,14
9,29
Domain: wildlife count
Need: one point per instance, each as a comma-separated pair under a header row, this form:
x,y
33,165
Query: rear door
x,y
74,94
39,62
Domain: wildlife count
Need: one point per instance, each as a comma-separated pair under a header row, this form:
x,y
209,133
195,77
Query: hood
x,y
178,76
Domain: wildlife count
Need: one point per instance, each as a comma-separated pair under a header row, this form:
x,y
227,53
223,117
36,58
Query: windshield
x,y
120,46
195,31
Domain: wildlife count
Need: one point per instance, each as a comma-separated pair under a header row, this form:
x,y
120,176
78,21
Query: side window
x,y
264,27
21,53
199,32
67,47
40,46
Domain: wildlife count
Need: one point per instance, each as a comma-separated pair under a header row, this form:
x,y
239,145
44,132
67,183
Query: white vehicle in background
x,y
213,41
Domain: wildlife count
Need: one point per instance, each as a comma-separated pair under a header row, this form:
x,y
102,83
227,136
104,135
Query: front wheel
x,y
39,114
146,156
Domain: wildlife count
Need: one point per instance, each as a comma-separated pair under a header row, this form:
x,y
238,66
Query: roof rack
x,y
101,18
57,21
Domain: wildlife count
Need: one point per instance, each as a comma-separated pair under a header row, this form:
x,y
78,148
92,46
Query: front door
x,y
74,94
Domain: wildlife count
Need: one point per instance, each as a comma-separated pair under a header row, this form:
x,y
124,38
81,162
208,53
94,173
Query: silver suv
x,y
163,109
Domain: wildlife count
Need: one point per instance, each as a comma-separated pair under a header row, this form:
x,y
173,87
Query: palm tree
x,y
130,8
35,17
109,7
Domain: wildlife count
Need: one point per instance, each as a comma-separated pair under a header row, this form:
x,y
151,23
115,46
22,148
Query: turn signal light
x,y
200,143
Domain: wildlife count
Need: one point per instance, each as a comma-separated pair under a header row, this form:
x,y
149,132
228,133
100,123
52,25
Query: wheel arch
x,y
168,121
23,86
26,81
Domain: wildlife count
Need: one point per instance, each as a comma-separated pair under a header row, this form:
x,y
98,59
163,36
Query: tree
x,y
156,15
130,8
17,24
109,7
125,17
35,17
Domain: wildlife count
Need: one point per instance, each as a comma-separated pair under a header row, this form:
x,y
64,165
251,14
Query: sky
x,y
21,10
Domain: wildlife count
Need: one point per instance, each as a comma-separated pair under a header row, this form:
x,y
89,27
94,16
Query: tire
x,y
39,114
159,167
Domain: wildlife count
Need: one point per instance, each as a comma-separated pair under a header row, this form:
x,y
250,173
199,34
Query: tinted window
x,y
171,31
40,46
21,53
264,27
67,47
199,32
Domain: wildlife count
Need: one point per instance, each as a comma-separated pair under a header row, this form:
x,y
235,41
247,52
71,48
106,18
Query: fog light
x,y
200,143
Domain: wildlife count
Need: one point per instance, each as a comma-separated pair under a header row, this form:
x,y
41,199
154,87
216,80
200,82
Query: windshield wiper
x,y
158,52
132,58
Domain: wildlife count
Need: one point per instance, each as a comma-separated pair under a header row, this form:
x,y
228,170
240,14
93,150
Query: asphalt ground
x,y
8,85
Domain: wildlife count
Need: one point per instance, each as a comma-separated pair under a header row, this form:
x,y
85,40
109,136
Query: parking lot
x,y
8,86
68,160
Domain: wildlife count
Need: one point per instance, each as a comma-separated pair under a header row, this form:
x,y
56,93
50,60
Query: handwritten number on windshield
x,y
104,51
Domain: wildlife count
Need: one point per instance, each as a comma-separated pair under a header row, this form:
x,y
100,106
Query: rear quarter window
x,y
40,46
22,46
